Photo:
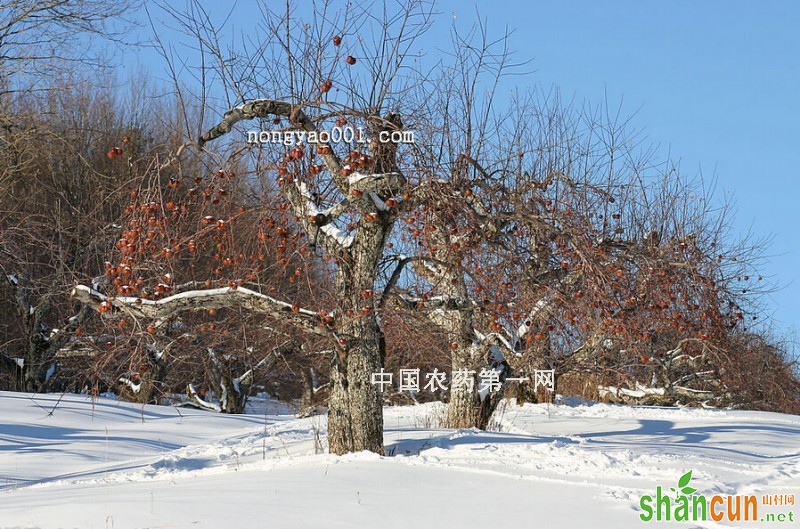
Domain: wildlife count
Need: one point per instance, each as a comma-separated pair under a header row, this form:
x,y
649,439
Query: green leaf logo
x,y
683,485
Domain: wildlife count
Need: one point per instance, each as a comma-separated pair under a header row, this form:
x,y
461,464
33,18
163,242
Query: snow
x,y
356,177
639,392
198,401
341,237
133,386
68,461
302,188
206,293
328,229
523,329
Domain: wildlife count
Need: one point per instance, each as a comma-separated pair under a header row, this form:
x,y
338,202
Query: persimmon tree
x,y
338,204
547,238
49,166
536,237
60,196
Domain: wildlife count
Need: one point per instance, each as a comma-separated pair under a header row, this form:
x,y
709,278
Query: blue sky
x,y
714,83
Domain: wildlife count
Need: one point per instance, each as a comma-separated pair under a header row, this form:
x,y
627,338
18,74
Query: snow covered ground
x,y
70,462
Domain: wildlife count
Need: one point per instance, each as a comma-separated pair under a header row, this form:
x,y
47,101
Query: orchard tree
x,y
532,238
337,204
62,189
538,238
549,240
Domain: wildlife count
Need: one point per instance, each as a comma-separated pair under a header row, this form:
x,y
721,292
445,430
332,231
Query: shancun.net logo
x,y
684,505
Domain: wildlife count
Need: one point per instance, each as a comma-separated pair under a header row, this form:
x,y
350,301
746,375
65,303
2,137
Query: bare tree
x,y
532,238
41,40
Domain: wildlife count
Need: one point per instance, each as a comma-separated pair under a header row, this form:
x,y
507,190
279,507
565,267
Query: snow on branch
x,y
202,300
495,340
545,305
318,223
342,239
195,400
538,307
134,387
312,208
383,183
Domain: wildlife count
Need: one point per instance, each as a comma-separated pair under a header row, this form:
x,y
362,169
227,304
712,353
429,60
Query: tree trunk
x,y
464,409
355,409
468,407
471,408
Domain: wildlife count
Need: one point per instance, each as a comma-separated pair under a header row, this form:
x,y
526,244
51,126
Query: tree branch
x,y
262,108
203,300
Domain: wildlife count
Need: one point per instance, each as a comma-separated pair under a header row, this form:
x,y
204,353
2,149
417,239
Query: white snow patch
x,y
639,392
341,237
73,461
523,329
357,177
